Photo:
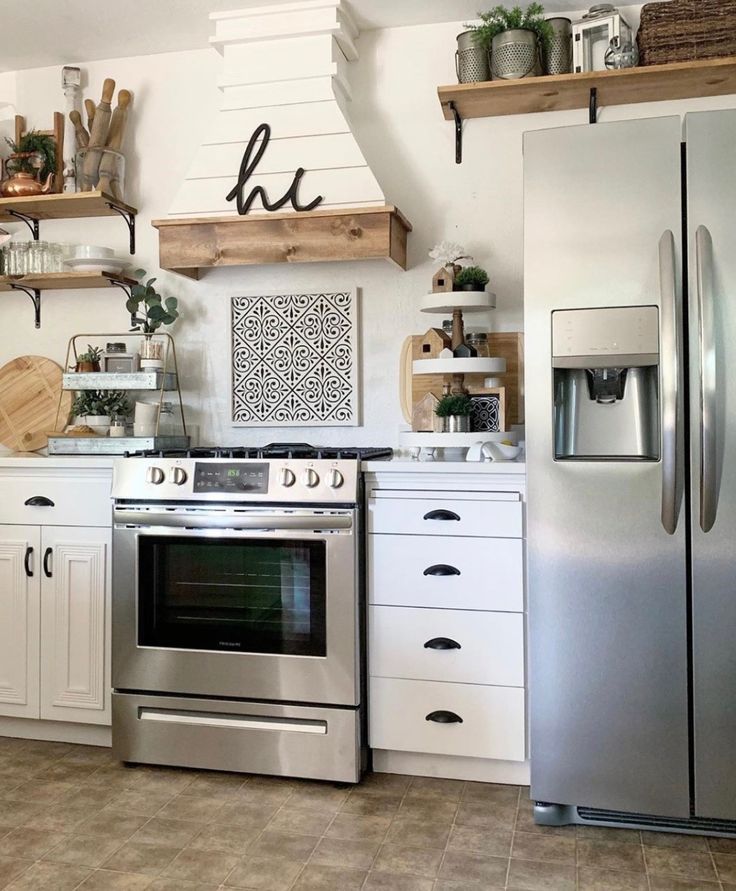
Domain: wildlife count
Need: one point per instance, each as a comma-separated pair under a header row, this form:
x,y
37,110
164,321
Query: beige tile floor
x,y
70,817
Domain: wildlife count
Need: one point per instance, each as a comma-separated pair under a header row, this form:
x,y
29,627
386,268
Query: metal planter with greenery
x,y
454,413
514,39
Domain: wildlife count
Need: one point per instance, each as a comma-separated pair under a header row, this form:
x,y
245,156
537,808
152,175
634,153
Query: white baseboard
x,y
451,767
56,731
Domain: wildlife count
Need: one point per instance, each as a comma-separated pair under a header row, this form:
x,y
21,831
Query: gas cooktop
x,y
289,450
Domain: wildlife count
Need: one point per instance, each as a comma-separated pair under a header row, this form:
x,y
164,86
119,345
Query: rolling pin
x,y
81,134
90,106
97,136
115,136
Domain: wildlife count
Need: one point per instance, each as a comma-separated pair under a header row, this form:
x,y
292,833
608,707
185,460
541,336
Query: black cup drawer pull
x,y
39,501
441,515
442,643
442,717
27,562
46,565
441,569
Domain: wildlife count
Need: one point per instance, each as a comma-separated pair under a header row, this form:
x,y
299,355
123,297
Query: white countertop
x,y
408,465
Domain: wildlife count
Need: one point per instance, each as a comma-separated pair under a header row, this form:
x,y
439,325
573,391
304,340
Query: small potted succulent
x,y
471,278
515,40
95,408
148,311
454,412
89,361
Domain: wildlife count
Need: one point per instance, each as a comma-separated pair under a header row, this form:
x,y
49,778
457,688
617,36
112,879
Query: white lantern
x,y
593,34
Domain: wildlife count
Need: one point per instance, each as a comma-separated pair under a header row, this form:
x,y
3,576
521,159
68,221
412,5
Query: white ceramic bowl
x,y
82,251
505,452
96,264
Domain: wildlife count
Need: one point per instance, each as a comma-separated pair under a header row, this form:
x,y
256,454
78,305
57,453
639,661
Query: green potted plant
x,y
95,408
149,310
454,412
89,361
515,40
471,278
31,165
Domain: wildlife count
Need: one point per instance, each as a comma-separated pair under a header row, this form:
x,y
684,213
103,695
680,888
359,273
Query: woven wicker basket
x,y
685,30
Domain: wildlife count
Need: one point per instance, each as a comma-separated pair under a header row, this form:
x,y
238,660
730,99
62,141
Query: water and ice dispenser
x,y
606,383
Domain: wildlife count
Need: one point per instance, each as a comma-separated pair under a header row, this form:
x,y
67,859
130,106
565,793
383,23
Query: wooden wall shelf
x,y
189,244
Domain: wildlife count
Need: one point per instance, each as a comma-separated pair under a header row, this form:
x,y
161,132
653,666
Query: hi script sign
x,y
251,158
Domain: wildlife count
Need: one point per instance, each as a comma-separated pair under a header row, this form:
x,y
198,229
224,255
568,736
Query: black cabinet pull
x,y
442,717
441,515
27,562
46,557
442,643
39,501
441,569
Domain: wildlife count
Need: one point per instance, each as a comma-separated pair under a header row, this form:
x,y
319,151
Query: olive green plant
x,y
471,275
148,309
500,19
458,404
33,141
100,402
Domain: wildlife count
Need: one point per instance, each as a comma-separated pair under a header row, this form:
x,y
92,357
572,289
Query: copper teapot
x,y
24,185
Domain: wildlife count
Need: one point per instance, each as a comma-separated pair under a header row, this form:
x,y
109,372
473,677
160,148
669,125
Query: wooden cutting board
x,y
30,387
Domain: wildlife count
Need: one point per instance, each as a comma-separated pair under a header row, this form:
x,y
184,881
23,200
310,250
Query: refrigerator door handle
x,y
708,424
672,465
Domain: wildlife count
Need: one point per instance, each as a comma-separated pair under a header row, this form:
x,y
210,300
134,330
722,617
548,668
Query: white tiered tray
x,y
466,301
452,440
476,365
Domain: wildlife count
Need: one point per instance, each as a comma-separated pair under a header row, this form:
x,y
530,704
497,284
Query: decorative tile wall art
x,y
295,360
488,412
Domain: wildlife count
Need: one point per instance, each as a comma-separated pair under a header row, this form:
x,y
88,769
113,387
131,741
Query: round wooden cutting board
x,y
30,387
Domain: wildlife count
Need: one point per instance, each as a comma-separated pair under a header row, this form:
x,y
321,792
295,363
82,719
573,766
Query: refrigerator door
x,y
711,137
606,538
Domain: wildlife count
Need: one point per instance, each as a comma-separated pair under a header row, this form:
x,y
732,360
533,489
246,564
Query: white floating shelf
x,y
453,440
467,301
477,365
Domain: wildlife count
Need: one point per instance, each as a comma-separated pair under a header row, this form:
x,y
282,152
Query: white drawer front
x,y
447,645
491,572
452,515
74,501
492,719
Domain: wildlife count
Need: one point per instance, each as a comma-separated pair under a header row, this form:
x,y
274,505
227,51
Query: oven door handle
x,y
259,523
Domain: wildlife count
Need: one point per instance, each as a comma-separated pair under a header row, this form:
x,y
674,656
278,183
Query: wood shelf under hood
x,y
189,244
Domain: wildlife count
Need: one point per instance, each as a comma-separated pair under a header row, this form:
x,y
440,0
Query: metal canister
x,y
471,60
516,54
558,52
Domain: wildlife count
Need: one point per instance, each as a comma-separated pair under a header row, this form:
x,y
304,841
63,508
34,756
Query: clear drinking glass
x,y
37,252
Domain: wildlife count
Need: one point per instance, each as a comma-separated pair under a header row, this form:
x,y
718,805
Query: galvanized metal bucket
x,y
558,53
471,60
516,54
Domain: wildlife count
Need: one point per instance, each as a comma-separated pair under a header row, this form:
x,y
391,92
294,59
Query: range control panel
x,y
231,477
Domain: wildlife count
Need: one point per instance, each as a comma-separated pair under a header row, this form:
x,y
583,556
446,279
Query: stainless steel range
x,y
237,610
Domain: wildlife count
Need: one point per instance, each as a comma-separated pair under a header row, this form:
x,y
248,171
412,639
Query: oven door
x,y
257,603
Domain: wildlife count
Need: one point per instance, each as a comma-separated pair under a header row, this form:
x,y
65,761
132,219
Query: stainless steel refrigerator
x,y
630,328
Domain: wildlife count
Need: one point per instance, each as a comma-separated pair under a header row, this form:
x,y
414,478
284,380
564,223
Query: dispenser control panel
x,y
626,336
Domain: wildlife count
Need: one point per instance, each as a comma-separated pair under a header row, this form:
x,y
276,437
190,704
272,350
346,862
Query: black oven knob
x,y
155,476
179,476
334,478
310,478
287,477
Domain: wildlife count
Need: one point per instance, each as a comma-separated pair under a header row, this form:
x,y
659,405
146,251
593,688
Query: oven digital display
x,y
222,477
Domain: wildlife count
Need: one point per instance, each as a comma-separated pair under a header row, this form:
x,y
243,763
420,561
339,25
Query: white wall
x,y
410,148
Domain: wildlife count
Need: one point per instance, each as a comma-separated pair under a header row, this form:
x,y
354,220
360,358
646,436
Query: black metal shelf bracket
x,y
31,222
35,295
593,106
128,291
129,222
458,132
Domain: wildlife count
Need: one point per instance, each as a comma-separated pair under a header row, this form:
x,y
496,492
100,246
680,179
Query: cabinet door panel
x,y
75,622
19,620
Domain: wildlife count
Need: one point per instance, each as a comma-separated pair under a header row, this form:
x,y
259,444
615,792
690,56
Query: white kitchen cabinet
x,y
19,620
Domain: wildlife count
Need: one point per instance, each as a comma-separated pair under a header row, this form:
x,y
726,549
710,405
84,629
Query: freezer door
x,y
711,137
606,539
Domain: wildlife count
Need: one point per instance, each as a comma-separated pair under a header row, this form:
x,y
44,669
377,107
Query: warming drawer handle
x,y
441,515
441,569
443,717
442,643
46,566
39,501
27,562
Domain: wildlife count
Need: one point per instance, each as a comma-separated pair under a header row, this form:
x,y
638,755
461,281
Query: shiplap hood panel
x,y
288,66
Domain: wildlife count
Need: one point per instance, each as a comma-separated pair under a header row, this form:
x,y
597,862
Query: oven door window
x,y
232,595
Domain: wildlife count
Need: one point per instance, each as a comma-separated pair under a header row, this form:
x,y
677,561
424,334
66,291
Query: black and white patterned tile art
x,y
294,360
485,414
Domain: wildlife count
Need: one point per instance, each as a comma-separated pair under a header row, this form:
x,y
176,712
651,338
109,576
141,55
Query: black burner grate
x,y
272,450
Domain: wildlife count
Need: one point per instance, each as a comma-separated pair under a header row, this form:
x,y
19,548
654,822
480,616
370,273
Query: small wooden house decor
x,y
443,280
423,415
446,354
433,342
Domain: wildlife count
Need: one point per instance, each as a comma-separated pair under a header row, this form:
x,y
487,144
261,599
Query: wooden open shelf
x,y
64,281
63,206
678,80
189,244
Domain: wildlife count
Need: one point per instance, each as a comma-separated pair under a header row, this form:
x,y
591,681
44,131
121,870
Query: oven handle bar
x,y
260,522
236,722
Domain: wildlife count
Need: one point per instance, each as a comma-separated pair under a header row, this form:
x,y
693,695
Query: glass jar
x,y
17,258
38,253
479,340
56,258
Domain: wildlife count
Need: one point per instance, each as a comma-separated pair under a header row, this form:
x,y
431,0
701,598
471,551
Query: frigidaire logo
x,y
228,643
